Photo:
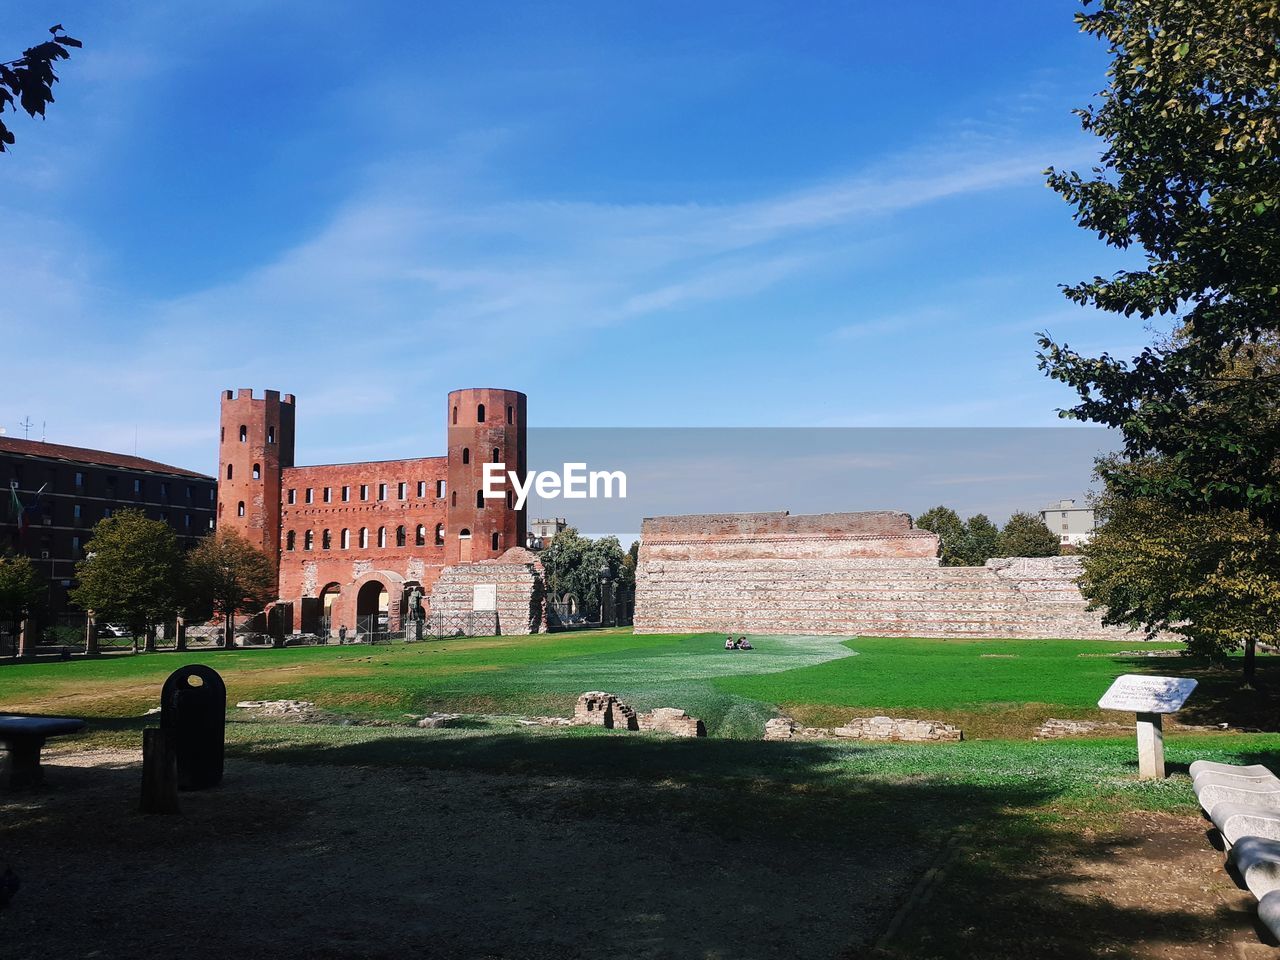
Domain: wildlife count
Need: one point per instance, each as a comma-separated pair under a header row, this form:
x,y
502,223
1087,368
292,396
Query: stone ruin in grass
x,y
600,709
885,729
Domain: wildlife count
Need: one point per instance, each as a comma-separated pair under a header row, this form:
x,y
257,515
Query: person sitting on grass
x,y
744,643
729,644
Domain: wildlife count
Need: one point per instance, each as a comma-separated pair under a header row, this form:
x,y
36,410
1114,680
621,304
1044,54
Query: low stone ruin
x,y
866,728
299,710
600,709
1053,729
672,721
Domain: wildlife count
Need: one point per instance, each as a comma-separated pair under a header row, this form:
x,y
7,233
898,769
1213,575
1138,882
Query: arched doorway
x,y
328,598
464,545
371,608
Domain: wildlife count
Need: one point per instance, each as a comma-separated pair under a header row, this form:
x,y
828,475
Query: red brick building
x,y
353,541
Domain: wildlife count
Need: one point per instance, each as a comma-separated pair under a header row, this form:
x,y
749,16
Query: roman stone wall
x,y
517,579
845,575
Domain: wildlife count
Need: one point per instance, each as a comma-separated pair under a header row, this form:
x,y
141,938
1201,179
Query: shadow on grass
x,y
632,845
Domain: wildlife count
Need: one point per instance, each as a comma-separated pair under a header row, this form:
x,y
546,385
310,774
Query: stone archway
x,y
373,607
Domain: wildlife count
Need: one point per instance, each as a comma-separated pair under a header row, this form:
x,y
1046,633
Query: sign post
x,y
1149,698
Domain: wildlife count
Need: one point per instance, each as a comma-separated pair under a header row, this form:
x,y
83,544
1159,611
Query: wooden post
x,y
159,772
1150,747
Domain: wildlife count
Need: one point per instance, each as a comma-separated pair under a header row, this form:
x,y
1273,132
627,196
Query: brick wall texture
x,y
849,574
517,578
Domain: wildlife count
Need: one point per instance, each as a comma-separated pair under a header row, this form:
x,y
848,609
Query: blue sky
x,y
657,214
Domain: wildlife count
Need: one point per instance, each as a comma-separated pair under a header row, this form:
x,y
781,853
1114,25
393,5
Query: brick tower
x,y
255,445
485,425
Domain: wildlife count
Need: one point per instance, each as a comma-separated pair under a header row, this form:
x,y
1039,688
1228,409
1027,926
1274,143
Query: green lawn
x,y
992,688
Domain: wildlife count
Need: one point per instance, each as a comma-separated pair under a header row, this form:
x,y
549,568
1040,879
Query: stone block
x,y
1237,820
1212,789
1258,861
1252,771
672,721
1269,912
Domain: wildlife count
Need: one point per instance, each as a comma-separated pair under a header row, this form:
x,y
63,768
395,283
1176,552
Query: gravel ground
x,y
329,862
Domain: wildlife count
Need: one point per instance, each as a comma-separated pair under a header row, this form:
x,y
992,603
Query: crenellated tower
x,y
256,444
486,425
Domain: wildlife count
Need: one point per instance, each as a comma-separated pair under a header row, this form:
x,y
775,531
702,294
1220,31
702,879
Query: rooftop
x,y
58,451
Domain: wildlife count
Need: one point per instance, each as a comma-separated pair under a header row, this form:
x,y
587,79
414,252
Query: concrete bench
x,y
1238,820
1258,861
24,737
1251,771
1214,788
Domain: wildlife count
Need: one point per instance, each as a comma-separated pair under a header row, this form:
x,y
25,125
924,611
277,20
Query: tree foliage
x,y
27,82
1190,175
227,574
23,590
1025,535
131,573
964,543
1212,577
572,564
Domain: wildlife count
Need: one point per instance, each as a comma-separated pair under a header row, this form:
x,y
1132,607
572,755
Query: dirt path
x,y
338,862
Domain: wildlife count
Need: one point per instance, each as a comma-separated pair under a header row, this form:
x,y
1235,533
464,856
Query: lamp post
x,y
605,576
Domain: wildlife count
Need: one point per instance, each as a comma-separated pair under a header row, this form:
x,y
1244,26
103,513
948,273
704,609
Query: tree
x,y
131,573
227,574
946,523
964,543
1025,535
1190,174
572,564
23,591
1211,577
28,81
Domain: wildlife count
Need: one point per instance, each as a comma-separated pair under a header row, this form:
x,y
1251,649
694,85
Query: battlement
x,y
246,393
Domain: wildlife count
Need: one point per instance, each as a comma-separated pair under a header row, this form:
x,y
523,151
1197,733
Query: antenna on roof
x,y
43,432
26,427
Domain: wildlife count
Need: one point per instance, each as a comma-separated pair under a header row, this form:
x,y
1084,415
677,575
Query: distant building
x,y
1073,525
54,494
541,532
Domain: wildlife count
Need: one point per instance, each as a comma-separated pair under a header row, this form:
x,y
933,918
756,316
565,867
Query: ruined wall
x,y
519,593
868,574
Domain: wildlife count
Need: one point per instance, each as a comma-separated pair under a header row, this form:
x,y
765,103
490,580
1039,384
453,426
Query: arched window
x,y
439,534
510,414
455,414
344,539
480,413
510,502
400,535
420,537
466,454
479,499
244,433
219,510
382,536
257,471
228,471
308,540
326,541
497,456
222,434
455,498
364,537
290,540
494,541
240,509
271,434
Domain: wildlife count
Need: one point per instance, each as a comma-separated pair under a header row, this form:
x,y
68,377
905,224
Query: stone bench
x,y
24,737
1252,771
1258,861
1238,820
1214,788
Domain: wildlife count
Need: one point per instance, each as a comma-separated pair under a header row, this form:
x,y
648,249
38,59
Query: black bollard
x,y
193,709
159,772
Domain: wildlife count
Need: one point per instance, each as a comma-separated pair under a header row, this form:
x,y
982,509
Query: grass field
x,y
991,688
1032,820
